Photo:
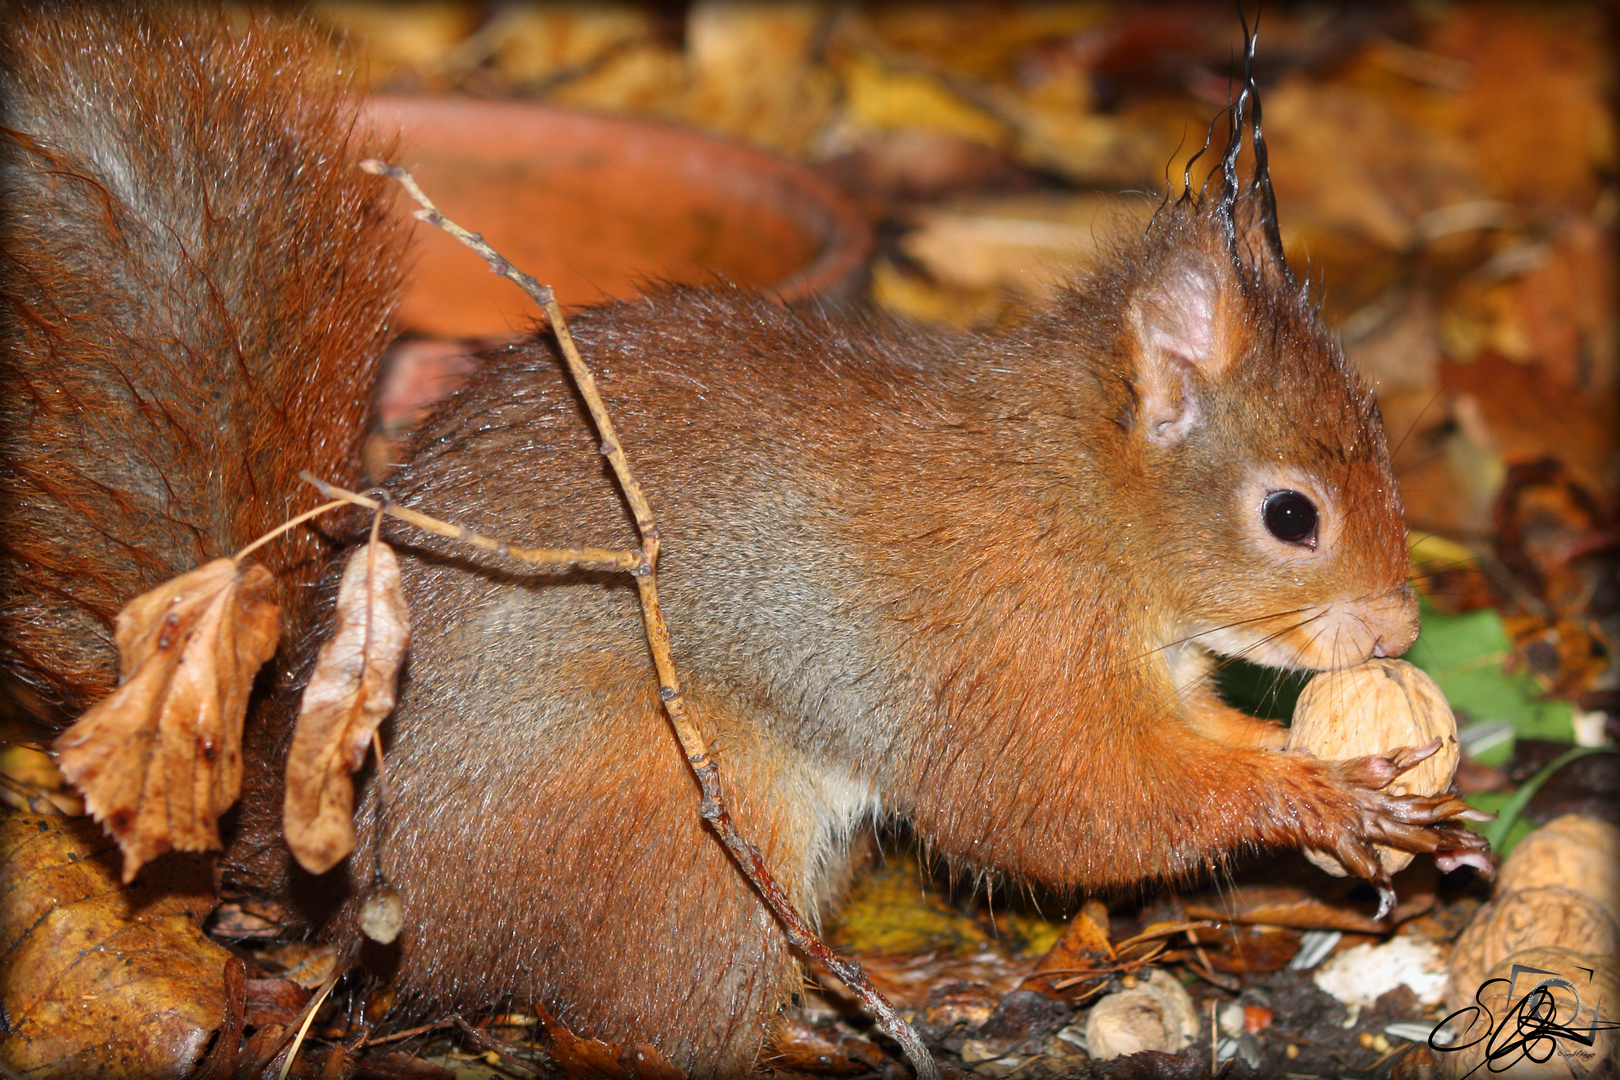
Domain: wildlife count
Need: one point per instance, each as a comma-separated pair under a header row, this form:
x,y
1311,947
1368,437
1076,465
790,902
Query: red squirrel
x,y
972,583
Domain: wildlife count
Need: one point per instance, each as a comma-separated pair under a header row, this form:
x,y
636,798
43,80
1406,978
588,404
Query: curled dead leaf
x,y
797,1047
348,697
160,758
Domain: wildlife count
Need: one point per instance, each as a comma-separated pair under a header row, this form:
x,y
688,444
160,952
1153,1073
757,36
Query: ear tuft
x,y
1175,347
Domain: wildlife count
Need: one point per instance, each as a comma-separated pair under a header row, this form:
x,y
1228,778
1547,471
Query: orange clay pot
x,y
600,206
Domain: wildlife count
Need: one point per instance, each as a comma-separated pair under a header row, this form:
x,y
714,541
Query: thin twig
x,y
284,526
411,1032
1204,967
1166,930
310,1010
579,556
1080,975
484,1042
547,299
713,808
1214,1039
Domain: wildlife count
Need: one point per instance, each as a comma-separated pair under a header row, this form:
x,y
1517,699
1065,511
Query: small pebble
x,y
977,1050
382,913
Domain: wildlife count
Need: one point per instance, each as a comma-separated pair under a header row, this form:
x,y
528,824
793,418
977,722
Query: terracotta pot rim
x,y
849,238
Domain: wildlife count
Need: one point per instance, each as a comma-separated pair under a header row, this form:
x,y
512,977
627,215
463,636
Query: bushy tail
x,y
195,287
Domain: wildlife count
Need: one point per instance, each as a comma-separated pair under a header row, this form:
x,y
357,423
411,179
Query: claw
x,y
1448,861
1408,756
1386,900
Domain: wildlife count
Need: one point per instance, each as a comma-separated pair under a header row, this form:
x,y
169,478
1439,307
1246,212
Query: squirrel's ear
x,y
1177,350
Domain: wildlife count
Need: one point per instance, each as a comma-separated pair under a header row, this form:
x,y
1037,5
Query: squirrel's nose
x,y
1378,649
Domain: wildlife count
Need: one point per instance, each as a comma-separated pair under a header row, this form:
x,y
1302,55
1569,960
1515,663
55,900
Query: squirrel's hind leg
x,y
570,868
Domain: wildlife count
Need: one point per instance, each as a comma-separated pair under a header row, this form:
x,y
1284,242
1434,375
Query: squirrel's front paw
x,y
1416,823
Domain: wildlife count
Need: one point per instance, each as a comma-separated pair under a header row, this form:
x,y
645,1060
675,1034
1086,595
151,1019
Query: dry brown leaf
x,y
1084,945
540,44
160,758
592,1059
1032,244
1312,902
754,76
27,773
796,1046
99,980
911,981
1534,109
1347,161
349,695
1243,950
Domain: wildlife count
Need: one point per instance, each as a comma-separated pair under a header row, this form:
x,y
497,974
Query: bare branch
x,y
577,556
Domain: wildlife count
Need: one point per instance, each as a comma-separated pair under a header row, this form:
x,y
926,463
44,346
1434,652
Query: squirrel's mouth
x,y
1322,637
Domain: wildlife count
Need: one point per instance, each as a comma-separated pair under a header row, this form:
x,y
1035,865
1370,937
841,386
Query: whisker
x,y
1440,567
1318,637
1419,463
1273,694
1218,629
1221,660
1415,422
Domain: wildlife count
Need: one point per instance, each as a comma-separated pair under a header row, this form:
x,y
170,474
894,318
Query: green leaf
x,y
1465,654
1497,802
1500,833
1269,693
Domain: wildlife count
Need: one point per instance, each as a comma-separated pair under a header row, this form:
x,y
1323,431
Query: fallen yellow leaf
x,y
100,980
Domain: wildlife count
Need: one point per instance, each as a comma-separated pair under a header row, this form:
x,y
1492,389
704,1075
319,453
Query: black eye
x,y
1290,516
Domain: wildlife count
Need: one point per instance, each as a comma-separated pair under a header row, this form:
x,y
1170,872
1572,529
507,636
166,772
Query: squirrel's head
x,y
1253,453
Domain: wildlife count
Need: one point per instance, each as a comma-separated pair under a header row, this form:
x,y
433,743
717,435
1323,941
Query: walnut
x,y
1374,708
1525,919
1592,979
1576,852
